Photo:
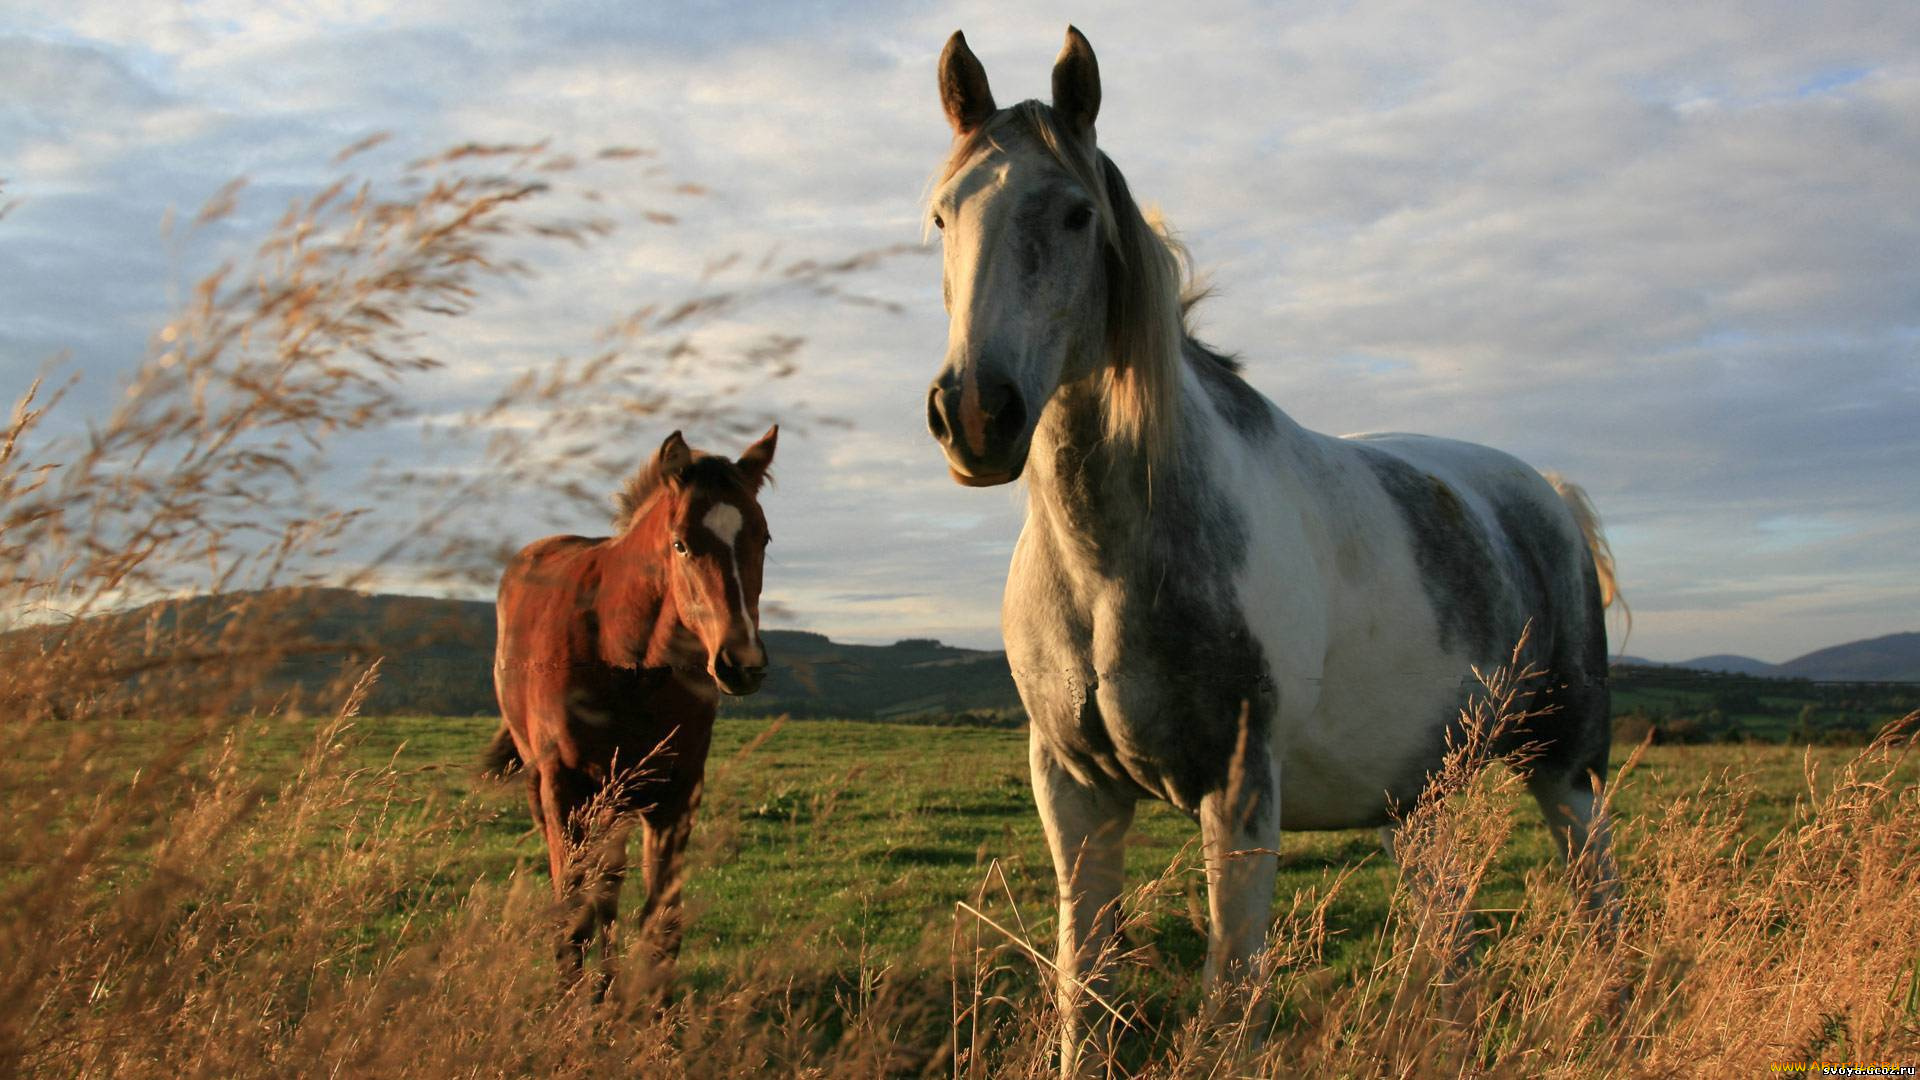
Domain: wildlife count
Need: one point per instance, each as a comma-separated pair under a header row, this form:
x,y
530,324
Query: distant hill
x,y
1720,663
437,658
1893,658
1728,664
918,677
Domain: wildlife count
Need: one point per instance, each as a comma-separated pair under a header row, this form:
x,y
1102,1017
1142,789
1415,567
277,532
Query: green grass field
x,y
845,844
840,885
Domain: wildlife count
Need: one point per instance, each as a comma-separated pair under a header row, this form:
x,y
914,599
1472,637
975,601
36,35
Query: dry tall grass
x,y
189,913
1725,955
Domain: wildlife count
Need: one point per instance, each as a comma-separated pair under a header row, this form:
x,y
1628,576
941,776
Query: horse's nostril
x,y
1010,419
937,423
728,669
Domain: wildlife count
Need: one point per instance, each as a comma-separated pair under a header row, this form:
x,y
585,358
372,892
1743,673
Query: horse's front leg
x,y
664,836
1086,830
1240,837
604,872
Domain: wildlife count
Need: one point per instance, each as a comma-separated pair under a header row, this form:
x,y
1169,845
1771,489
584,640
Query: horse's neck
x,y
1099,497
638,623
1109,512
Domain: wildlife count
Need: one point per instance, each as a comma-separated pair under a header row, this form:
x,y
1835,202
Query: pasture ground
x,y
832,858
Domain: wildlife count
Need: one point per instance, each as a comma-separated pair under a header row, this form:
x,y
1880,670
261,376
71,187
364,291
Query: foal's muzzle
x,y
981,424
740,673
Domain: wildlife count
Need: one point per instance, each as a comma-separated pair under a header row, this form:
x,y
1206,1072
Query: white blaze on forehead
x,y
723,521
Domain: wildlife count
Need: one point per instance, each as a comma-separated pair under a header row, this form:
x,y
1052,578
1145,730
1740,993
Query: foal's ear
x,y
963,86
674,457
1076,82
759,457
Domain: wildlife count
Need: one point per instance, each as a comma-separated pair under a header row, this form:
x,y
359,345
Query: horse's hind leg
x,y
1086,831
534,804
1574,811
562,795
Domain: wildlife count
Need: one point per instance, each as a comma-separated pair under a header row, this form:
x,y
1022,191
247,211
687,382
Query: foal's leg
x,y
562,794
534,804
664,833
603,873
1086,831
663,847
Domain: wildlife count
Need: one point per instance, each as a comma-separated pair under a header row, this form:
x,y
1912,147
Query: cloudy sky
x,y
1667,249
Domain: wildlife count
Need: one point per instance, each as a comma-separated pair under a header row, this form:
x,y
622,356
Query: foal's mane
x,y
1149,286
712,471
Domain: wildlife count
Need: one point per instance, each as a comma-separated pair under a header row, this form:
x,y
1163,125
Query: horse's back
x,y
1536,555
1492,487
543,592
548,564
539,640
1498,550
1494,475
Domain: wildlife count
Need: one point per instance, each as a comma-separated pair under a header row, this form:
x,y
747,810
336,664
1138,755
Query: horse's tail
x,y
1588,520
502,758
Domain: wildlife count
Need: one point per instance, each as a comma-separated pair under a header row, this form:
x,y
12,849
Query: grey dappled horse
x,y
1192,556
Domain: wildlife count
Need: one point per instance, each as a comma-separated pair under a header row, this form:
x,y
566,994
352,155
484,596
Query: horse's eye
x,y
679,547
937,223
1078,217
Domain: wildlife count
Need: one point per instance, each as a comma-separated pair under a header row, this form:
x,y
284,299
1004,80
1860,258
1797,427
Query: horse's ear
x,y
963,86
1076,83
759,457
674,457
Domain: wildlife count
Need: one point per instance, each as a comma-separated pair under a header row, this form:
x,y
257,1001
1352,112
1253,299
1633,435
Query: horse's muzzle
x,y
736,678
982,427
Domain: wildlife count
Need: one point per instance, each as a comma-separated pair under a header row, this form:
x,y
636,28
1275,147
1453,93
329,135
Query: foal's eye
x,y
938,223
1079,217
679,547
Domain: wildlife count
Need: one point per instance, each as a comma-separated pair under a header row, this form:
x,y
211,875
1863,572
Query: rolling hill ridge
x,y
1892,658
438,659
